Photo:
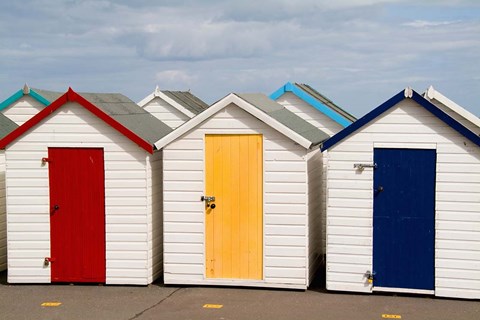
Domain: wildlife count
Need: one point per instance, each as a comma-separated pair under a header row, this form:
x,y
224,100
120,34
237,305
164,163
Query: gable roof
x,y
6,126
45,97
408,93
183,101
316,100
432,94
264,109
113,108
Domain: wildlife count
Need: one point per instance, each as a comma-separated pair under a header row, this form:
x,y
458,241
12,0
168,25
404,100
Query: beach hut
x,y
84,193
6,126
239,209
312,106
403,209
323,113
172,107
19,107
27,102
454,110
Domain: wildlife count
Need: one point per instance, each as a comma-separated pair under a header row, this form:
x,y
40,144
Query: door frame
x,y
222,280
104,205
413,146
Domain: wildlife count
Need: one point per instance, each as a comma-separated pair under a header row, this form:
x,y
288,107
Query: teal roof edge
x,y
289,87
19,94
14,97
39,98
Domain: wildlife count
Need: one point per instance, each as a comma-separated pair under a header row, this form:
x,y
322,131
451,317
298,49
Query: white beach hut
x,y
173,107
240,207
403,209
84,193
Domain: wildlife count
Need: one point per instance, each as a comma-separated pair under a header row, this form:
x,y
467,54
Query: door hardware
x,y
207,200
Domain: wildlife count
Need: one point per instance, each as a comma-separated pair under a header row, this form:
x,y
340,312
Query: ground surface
x,y
181,303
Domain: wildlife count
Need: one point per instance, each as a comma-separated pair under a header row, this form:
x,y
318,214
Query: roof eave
x,y
72,96
432,94
408,93
290,87
246,106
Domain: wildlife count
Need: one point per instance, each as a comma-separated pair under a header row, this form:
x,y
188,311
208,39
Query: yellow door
x,y
234,228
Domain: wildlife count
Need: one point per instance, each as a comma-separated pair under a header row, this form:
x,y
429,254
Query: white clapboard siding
x,y
309,113
23,109
327,125
350,202
128,228
156,215
316,217
456,116
285,204
3,217
170,115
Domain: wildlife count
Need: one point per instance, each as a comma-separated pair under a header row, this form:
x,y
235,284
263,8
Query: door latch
x,y
47,261
370,276
207,200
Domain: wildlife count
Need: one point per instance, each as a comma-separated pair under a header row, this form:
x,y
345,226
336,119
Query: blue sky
x,y
357,52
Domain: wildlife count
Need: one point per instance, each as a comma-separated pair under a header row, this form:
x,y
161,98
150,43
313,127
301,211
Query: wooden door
x,y
404,219
234,228
77,216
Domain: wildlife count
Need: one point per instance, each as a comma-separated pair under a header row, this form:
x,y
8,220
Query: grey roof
x,y
320,97
48,95
6,126
191,102
286,117
129,114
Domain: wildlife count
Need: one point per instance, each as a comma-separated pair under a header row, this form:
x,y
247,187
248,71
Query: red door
x,y
77,214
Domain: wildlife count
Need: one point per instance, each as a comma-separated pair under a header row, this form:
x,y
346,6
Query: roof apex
x,y
26,89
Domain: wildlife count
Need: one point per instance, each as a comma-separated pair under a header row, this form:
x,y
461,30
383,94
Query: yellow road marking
x,y
213,306
51,304
391,316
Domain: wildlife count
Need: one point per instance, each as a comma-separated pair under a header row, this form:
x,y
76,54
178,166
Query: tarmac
x,y
158,301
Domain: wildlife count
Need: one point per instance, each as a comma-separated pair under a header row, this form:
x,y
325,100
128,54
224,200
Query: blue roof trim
x,y
14,97
19,94
39,98
289,87
457,126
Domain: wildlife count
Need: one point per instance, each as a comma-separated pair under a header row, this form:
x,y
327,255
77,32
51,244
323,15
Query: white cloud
x,y
351,50
423,23
175,77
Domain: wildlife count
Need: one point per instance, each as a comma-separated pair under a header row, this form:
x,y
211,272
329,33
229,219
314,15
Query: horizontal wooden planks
x,y
309,113
126,195
285,202
167,113
350,201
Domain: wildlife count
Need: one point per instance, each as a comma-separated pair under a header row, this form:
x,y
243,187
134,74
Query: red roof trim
x,y
72,96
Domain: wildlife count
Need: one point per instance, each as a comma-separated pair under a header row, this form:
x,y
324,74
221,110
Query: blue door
x,y
404,218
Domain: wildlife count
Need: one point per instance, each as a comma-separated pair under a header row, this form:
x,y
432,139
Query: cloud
x,y
174,77
423,23
351,50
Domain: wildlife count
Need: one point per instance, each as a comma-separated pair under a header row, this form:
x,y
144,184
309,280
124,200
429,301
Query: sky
x,y
358,53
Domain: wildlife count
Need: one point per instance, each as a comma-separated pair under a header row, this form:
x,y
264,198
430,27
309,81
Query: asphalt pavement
x,y
158,301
